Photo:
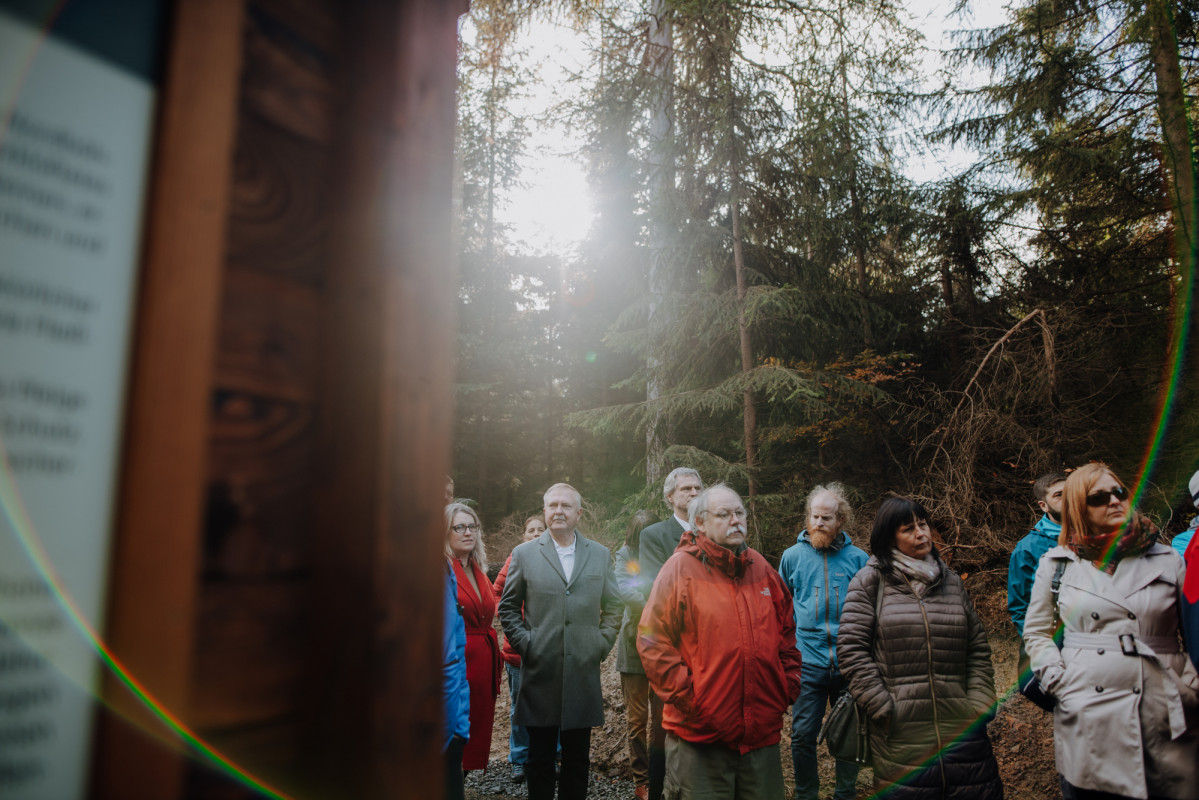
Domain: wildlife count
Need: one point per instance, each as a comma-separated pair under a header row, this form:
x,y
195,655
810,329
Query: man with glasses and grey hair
x,y
717,639
657,544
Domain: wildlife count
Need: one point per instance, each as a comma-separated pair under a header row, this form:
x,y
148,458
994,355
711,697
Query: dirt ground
x,y
1022,734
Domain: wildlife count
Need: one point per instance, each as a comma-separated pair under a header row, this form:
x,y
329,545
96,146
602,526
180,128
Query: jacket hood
x,y
1047,527
711,554
839,541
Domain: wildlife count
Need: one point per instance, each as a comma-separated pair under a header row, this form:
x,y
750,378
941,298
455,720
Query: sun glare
x,y
552,211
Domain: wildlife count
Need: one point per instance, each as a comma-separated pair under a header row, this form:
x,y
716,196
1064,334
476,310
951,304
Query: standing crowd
x,y
714,645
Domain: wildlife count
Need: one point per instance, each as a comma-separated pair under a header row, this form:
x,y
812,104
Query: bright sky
x,y
553,212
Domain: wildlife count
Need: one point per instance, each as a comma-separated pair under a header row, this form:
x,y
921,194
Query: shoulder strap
x,y
878,596
878,608
1058,570
1056,587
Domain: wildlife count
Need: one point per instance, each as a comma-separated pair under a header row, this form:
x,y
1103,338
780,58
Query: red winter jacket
x,y
509,655
717,639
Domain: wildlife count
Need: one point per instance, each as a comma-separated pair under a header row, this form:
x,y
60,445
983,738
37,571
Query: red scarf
x,y
1132,539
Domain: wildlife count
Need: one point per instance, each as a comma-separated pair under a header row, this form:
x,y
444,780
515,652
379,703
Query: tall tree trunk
x,y
855,203
951,320
747,356
1176,145
1176,133
659,59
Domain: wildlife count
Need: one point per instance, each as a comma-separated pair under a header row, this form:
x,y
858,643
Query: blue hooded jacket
x,y
1022,566
1190,601
455,690
1180,542
818,580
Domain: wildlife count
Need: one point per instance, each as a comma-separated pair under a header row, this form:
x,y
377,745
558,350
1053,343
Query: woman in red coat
x,y
464,547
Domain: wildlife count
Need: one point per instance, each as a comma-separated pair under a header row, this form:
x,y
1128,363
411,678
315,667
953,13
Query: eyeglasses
x,y
474,527
1103,498
739,513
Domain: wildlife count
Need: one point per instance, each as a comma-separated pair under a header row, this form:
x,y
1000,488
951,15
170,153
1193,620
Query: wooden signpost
x,y
273,575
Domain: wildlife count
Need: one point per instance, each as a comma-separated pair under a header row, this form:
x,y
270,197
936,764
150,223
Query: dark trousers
x,y
454,778
1072,792
657,747
821,685
576,762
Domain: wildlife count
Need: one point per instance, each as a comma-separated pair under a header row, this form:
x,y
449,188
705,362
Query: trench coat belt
x,y
1148,646
1128,643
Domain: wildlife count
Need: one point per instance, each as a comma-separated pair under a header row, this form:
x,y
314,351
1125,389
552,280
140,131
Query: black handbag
x,y
846,729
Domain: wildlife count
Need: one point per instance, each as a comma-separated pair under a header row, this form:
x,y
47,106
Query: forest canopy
x,y
766,294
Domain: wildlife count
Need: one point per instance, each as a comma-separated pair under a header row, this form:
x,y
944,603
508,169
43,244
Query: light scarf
x,y
921,570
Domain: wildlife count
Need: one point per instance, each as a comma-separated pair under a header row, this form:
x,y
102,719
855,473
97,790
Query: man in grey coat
x,y
564,584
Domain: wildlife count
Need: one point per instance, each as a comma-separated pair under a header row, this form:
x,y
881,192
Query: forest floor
x,y
1021,734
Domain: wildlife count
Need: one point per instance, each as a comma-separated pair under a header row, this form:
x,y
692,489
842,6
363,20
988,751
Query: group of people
x,y
714,645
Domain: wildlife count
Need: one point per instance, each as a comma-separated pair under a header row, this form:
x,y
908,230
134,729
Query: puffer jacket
x,y
819,580
717,640
1127,713
634,589
509,655
923,674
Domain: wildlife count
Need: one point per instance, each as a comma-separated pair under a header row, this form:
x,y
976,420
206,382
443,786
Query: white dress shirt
x,y
567,556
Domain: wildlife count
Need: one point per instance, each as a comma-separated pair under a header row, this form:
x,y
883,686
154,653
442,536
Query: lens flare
x,y
22,525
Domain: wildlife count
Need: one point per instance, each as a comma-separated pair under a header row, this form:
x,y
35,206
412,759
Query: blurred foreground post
x,y
276,574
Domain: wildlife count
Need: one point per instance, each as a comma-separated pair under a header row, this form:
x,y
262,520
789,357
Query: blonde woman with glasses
x,y
465,550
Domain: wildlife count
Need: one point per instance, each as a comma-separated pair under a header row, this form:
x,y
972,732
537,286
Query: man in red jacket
x,y
717,639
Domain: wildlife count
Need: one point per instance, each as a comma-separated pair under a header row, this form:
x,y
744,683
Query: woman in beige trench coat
x,y
1126,722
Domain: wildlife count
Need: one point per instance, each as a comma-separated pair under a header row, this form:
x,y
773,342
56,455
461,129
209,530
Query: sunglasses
x,y
1105,497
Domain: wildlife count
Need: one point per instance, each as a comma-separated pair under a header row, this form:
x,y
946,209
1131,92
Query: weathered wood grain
x,y
248,671
280,216
157,542
287,78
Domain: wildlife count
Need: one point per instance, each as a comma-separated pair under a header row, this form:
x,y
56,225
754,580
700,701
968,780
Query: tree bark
x,y
747,357
1176,134
855,204
1180,167
659,58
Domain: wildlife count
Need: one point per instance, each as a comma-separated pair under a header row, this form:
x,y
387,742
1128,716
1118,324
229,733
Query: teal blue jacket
x,y
818,580
1022,566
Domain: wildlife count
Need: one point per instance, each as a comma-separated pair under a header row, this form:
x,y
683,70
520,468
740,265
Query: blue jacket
x,y
1180,542
455,691
1190,602
1022,566
818,580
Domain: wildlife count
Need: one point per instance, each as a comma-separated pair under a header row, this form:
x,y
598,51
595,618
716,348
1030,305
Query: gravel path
x,y
496,783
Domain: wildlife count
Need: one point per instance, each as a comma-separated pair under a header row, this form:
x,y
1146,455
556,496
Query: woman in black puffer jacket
x,y
922,672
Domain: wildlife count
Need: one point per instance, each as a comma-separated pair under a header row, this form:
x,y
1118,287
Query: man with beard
x,y
1022,567
817,569
717,639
